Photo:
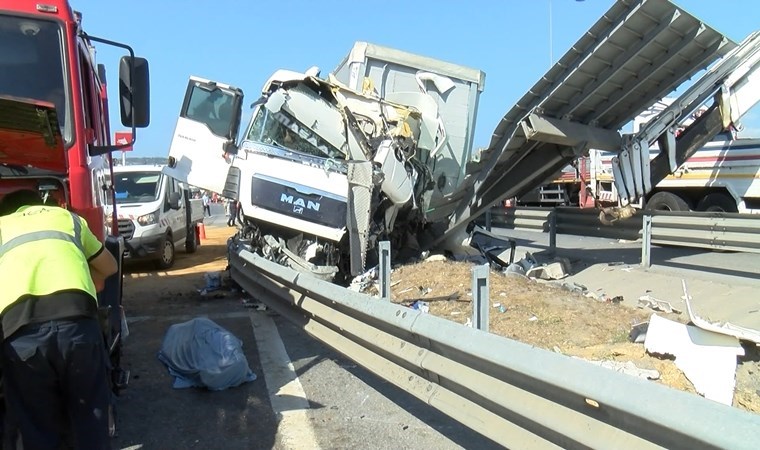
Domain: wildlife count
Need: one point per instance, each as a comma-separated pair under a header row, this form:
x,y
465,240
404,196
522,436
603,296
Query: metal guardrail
x,y
708,230
569,220
512,393
717,231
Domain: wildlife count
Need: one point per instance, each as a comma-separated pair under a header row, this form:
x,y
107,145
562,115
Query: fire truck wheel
x,y
166,258
717,202
667,201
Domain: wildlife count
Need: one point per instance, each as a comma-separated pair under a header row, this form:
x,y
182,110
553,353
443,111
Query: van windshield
x,y
136,187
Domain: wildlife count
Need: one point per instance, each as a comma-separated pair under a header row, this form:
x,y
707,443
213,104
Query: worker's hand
x,y
99,282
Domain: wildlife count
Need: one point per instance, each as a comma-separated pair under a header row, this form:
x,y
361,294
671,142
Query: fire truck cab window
x,y
31,66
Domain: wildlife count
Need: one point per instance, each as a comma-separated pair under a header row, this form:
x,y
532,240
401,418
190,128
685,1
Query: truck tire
x,y
191,243
166,257
717,202
667,201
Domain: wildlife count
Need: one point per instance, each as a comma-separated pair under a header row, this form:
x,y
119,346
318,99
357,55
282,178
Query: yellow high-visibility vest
x,y
44,250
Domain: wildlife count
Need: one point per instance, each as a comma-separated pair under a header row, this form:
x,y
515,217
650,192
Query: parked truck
x,y
723,175
55,136
155,213
380,148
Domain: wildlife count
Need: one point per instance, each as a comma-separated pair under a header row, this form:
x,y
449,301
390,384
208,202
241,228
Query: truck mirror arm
x,y
129,88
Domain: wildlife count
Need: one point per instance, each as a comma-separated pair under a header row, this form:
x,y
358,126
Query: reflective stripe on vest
x,y
76,239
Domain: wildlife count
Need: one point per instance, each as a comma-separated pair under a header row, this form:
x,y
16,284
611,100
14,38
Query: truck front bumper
x,y
145,247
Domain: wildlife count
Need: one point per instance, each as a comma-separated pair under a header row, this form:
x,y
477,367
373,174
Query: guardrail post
x,y
646,241
553,231
480,301
385,271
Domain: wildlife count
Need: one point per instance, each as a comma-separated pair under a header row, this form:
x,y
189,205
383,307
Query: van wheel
x,y
191,243
666,201
717,202
166,257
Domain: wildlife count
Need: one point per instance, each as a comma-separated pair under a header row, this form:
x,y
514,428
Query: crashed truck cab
x,y
324,172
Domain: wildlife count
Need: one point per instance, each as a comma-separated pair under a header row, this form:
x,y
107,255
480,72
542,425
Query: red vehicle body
x,y
55,136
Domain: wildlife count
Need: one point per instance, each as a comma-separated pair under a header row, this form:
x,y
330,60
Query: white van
x,y
155,214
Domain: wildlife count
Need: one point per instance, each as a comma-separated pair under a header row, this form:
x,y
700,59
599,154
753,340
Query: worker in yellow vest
x,y
53,355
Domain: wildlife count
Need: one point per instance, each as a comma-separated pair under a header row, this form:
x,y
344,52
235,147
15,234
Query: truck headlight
x,y
148,219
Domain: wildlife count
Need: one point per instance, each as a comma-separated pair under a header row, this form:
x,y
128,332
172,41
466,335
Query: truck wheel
x,y
166,258
666,201
717,202
191,243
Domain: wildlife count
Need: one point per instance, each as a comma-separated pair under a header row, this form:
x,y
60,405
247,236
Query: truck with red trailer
x,y
55,135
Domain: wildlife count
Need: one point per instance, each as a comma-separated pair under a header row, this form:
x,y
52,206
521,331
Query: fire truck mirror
x,y
134,92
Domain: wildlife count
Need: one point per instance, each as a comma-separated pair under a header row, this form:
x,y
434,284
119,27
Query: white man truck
x,y
156,214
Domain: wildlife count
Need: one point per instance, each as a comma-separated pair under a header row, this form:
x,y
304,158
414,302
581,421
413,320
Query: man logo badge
x,y
299,203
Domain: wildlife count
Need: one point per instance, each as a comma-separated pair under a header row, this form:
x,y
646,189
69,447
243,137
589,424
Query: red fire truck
x,y
55,136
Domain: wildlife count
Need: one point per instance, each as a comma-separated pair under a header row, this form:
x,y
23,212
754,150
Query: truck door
x,y
177,217
203,145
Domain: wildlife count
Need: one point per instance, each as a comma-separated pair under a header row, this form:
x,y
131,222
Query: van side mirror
x,y
174,198
134,92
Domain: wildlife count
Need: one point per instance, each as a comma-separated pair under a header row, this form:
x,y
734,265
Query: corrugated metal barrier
x,y
515,394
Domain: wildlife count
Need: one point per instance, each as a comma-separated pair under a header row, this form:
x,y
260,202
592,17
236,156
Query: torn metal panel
x,y
707,359
729,329
594,84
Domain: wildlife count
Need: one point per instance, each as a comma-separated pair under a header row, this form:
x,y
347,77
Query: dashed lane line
x,y
286,394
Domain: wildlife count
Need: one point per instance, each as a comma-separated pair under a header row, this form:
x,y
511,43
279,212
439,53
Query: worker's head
x,y
16,199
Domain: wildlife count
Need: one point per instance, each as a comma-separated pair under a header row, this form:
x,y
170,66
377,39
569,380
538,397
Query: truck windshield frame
x,y
282,130
137,187
34,65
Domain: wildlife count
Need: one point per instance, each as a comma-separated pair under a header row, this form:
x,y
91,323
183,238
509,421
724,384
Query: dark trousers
x,y
207,209
56,386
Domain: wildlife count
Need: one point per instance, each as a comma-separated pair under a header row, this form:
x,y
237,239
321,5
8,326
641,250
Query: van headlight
x,y
148,219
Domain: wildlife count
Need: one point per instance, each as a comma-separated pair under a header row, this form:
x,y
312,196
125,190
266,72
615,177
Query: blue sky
x,y
241,42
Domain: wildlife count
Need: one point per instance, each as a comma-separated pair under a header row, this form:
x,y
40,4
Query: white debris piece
x,y
729,329
647,301
707,359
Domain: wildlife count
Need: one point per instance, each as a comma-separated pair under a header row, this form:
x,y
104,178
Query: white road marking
x,y
285,391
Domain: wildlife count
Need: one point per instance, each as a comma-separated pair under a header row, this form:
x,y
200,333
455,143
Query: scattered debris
x,y
707,359
627,367
638,332
424,290
361,283
436,257
421,306
213,282
555,270
616,299
647,301
405,290
728,329
254,304
533,318
572,286
497,250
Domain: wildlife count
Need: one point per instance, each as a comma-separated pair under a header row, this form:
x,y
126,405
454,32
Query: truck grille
x,y
126,228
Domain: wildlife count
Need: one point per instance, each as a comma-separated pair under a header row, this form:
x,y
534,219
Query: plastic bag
x,y
200,353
